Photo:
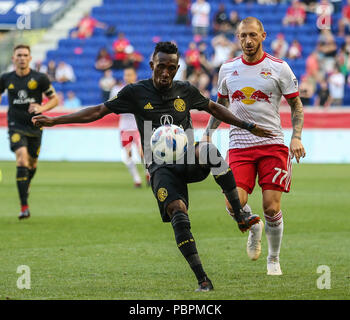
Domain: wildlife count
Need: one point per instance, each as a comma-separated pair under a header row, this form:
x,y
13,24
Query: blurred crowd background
x,y
86,62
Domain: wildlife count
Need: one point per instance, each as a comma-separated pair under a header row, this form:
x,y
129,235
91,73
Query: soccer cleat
x,y
24,214
246,220
273,267
254,241
205,285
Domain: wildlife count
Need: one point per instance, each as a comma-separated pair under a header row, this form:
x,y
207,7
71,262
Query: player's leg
x,y
209,155
33,162
126,140
22,180
177,211
274,170
19,145
243,165
137,141
34,144
132,167
273,229
170,190
255,232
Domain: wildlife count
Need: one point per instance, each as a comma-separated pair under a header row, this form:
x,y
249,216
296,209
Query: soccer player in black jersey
x,y
158,101
25,89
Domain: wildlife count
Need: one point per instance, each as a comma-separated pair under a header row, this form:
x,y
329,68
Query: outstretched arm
x,y
85,115
221,113
214,123
296,147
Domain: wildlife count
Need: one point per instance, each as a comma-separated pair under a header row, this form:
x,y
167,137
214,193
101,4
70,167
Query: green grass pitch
x,y
93,236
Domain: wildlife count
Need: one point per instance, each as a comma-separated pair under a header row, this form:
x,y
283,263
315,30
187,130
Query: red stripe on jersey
x,y
254,63
231,60
291,95
274,58
222,96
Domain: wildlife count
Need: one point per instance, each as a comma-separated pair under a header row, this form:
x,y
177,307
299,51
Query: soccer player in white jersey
x,y
252,86
129,134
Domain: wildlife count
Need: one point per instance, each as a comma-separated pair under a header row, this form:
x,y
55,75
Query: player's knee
x,y
22,157
32,164
272,208
22,161
176,206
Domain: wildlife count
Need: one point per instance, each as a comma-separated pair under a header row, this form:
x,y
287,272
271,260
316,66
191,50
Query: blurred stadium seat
x,y
141,21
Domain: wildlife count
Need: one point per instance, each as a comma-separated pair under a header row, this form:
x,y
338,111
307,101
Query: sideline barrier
x,y
100,141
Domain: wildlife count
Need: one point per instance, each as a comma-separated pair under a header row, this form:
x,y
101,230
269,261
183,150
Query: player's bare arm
x,y
296,147
221,113
85,115
214,123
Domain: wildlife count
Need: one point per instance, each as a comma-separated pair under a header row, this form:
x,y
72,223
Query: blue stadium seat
x,y
142,20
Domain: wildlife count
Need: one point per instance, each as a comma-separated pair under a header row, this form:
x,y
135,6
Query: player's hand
x,y
297,149
260,132
43,121
34,108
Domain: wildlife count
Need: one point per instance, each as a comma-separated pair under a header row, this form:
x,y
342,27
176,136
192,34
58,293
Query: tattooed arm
x,y
296,147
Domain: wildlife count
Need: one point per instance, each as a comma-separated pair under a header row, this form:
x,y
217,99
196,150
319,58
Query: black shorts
x,y
169,183
20,139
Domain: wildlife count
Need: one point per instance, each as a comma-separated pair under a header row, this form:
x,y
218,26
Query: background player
x,y
129,134
25,89
152,101
252,86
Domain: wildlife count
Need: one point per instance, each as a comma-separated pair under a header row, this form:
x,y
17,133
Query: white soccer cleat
x,y
254,241
273,268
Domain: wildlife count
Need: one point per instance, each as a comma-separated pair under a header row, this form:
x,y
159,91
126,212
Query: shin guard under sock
x,y
22,179
186,244
31,174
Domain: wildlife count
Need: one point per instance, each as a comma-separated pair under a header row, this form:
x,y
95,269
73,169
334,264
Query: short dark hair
x,y
21,46
166,47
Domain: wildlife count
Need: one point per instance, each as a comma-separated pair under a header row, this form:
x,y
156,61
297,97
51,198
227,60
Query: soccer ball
x,y
168,143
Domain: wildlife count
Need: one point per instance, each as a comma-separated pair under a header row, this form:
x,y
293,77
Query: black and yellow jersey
x,y
22,91
153,108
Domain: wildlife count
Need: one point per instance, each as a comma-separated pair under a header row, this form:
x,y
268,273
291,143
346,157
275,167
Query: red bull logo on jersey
x,y
249,95
265,73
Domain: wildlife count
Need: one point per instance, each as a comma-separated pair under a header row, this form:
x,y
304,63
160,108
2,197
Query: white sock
x,y
247,208
133,170
274,233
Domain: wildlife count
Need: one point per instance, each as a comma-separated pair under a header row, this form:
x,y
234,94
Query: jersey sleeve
x,y
123,102
198,101
222,88
288,82
46,86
